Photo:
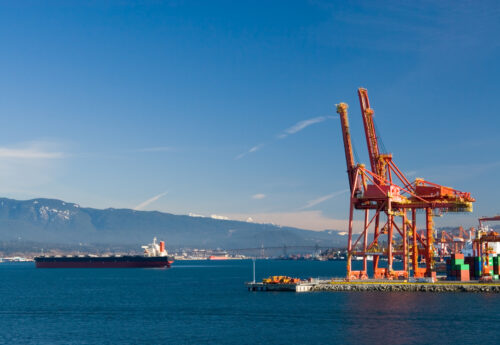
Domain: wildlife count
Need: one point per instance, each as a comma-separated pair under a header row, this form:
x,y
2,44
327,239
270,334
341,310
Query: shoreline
x,y
337,286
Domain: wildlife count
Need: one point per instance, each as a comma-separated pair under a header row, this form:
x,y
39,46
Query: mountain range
x,y
56,221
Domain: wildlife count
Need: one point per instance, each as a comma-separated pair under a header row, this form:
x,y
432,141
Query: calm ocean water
x,y
199,302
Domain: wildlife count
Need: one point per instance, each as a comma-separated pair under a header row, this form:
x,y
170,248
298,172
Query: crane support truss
x,y
488,219
451,244
394,201
484,237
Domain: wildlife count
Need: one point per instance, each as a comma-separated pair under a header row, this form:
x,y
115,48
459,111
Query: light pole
x,y
253,261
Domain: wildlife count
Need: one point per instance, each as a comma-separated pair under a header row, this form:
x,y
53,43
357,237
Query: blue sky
x,y
228,108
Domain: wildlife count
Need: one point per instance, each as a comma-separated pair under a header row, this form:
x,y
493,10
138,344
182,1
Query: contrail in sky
x,y
324,198
289,131
252,150
303,124
142,205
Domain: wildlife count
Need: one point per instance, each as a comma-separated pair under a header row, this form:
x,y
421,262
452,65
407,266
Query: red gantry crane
x,y
485,236
486,244
451,244
447,245
385,190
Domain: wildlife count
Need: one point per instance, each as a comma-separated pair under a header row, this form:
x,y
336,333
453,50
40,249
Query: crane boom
x,y
371,136
488,219
344,121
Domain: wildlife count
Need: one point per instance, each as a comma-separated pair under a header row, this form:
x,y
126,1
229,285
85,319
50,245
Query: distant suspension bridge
x,y
285,249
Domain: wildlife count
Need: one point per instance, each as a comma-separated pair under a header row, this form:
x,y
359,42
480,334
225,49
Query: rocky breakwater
x,y
406,287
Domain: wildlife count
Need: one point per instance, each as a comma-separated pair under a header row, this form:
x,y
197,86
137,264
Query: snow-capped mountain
x,y
56,221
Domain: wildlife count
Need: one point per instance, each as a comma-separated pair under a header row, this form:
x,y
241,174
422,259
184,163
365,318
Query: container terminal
x,y
389,203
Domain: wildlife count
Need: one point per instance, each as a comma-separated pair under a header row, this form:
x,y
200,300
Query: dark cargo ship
x,y
155,256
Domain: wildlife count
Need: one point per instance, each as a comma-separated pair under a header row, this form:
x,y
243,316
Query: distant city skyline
x,y
227,110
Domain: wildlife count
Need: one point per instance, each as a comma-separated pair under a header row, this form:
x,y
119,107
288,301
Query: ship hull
x,y
103,262
214,257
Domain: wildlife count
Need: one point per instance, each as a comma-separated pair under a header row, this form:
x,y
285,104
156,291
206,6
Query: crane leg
x,y
429,255
349,241
365,239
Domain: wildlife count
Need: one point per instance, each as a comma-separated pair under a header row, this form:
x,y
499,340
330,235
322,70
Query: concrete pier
x,y
379,286
304,287
409,287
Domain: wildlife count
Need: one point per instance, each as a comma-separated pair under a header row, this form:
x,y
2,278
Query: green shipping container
x,y
457,262
462,267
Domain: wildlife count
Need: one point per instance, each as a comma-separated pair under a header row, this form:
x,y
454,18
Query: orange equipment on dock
x,y
280,280
387,191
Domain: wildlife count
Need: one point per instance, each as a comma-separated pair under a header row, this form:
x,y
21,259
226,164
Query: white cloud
x,y
144,204
324,198
215,216
258,196
33,151
31,169
310,220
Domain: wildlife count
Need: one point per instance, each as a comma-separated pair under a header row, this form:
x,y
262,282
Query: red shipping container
x,y
457,256
463,275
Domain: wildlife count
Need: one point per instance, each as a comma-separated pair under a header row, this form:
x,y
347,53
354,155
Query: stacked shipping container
x,y
457,269
494,266
463,269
